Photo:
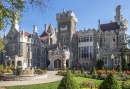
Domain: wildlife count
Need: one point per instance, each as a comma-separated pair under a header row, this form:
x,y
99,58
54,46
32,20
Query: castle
x,y
64,46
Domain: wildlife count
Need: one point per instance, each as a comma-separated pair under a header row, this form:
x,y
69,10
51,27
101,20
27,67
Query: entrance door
x,y
57,63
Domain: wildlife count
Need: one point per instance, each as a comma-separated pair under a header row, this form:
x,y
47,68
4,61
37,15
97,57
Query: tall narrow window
x,y
87,52
91,39
91,51
104,60
19,47
79,40
117,60
64,39
28,48
123,37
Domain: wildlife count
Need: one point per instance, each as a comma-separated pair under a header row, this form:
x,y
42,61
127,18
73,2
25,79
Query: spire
x,y
50,27
99,24
63,9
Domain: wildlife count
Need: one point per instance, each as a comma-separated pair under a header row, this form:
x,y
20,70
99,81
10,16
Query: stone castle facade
x,y
64,46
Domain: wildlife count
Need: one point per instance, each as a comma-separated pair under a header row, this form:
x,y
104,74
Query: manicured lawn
x,y
52,85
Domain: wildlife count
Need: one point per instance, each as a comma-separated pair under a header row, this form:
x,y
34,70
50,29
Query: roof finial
x,y
99,21
63,9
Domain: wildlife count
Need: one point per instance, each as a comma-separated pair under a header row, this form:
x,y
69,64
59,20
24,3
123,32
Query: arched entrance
x,y
57,63
19,63
67,63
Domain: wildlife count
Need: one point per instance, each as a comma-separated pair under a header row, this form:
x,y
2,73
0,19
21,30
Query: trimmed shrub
x,y
119,67
39,71
99,74
9,71
6,67
68,82
103,76
1,68
82,70
74,70
103,68
110,83
87,84
125,85
94,75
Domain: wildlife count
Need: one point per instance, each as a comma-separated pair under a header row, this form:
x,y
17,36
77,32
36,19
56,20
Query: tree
x,y
110,83
103,68
119,67
82,70
68,82
93,70
100,63
124,65
9,10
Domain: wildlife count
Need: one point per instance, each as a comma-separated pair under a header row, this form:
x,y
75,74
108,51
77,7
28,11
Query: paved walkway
x,y
50,78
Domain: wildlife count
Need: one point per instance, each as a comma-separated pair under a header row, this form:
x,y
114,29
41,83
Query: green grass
x,y
52,85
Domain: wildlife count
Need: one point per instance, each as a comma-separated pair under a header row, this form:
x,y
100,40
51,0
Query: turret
x,y
118,17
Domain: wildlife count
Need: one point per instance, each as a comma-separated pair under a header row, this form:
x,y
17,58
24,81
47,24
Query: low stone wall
x,y
24,77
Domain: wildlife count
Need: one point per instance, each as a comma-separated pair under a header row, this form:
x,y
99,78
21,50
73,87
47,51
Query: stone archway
x,y
19,63
57,63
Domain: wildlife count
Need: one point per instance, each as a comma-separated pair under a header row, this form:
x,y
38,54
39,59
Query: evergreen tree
x,y
82,70
124,65
93,70
119,67
103,68
68,82
110,83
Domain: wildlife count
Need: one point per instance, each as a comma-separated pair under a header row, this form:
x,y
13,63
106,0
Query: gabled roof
x,y
109,26
50,26
26,34
44,34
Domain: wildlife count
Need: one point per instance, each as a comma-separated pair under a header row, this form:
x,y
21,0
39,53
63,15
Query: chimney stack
x,y
35,28
46,27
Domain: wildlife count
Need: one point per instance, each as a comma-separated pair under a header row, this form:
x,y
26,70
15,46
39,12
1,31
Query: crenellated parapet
x,y
86,32
66,14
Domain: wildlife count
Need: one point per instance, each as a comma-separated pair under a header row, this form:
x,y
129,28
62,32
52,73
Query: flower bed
x,y
98,74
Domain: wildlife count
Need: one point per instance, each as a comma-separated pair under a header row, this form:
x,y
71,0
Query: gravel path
x,y
50,78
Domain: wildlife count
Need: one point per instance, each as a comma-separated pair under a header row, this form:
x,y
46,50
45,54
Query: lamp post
x,y
112,57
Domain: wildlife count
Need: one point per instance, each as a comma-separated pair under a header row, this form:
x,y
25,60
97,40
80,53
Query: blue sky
x,y
88,13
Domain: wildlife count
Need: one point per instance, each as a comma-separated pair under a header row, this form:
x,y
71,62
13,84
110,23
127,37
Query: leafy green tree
x,y
119,67
9,10
110,83
124,65
68,82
